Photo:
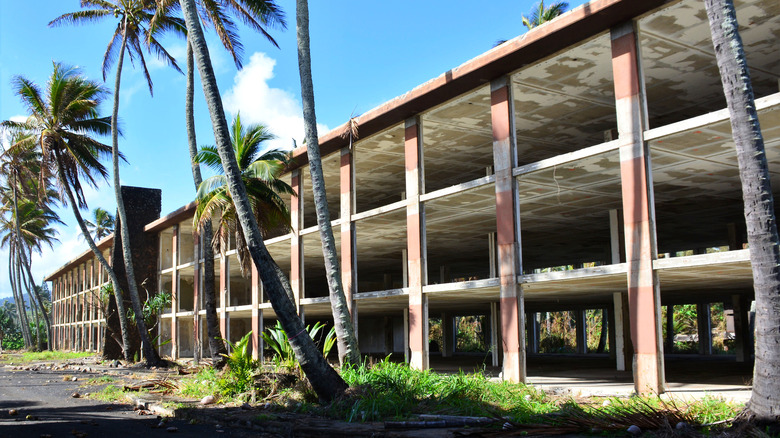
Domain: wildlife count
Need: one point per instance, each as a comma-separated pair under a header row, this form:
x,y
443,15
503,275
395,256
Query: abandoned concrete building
x,y
587,164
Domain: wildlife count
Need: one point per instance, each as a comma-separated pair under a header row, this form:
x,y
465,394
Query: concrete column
x,y
415,245
669,346
388,329
581,331
348,256
742,339
257,324
448,336
507,236
620,342
407,354
492,255
296,244
175,294
495,334
224,274
617,236
197,284
532,333
704,328
638,212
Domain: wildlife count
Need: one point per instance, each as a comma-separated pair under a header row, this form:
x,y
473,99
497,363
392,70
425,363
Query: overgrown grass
x,y
389,390
41,356
204,382
110,393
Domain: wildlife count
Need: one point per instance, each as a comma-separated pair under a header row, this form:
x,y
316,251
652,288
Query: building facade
x,y
587,164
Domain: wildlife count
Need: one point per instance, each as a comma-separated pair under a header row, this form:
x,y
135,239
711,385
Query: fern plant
x,y
276,339
239,377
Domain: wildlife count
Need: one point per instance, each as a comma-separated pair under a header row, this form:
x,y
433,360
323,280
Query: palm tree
x,y
541,15
260,171
342,320
325,381
60,122
101,225
132,29
256,14
759,206
25,231
30,220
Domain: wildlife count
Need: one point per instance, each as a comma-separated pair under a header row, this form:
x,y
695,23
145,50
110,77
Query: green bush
x,y
13,341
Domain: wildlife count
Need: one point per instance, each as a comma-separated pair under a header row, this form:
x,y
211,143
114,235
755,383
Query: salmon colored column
x,y
511,294
174,293
196,286
415,232
296,249
257,315
638,214
224,275
348,231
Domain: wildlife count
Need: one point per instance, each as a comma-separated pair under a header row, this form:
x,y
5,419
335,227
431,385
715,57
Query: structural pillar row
x,y
638,212
175,293
415,232
507,233
296,245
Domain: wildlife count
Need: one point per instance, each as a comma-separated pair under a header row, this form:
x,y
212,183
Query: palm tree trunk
x,y
216,345
120,305
345,332
24,324
150,353
33,306
323,378
28,269
18,239
759,206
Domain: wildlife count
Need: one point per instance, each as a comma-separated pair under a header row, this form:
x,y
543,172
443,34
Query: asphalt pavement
x,y
44,406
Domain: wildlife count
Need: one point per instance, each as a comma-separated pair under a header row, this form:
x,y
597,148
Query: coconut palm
x,y
342,320
61,120
257,14
759,206
133,29
102,223
325,381
260,170
542,14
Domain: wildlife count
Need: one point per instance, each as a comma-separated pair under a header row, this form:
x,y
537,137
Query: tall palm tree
x,y
260,171
257,14
541,14
25,231
759,206
61,121
102,223
342,320
134,17
325,381
30,214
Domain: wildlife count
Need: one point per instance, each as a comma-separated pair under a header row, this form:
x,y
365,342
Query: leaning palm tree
x,y
342,320
132,30
260,171
102,223
325,381
542,14
257,15
61,120
760,217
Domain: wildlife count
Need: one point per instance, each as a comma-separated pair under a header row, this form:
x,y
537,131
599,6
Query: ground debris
x,y
163,385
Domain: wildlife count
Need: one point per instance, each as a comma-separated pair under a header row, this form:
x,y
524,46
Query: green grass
x,y
42,356
204,382
110,393
102,380
389,390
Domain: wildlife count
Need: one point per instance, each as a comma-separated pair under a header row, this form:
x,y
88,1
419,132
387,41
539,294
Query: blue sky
x,y
363,54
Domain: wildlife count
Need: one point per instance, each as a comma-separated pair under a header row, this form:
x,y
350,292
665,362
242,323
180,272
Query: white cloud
x,y
258,102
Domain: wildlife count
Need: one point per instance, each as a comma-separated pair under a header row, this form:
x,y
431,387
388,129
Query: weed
x,y
40,356
110,393
102,380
